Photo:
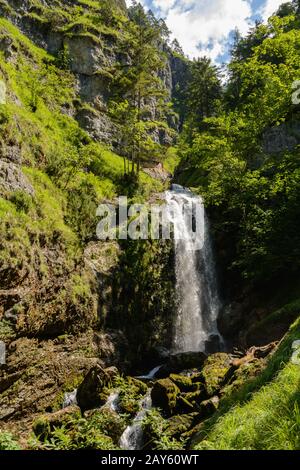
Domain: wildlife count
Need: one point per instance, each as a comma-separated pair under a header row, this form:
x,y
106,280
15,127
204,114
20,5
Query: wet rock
x,y
213,345
164,395
183,361
89,391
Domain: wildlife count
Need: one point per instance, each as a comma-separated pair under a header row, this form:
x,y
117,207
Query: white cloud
x,y
270,7
203,26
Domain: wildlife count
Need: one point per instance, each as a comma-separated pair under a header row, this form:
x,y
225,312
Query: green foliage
x,y
157,433
253,194
265,413
76,434
8,442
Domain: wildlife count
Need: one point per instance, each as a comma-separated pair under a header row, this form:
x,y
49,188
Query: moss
x,y
184,383
164,395
214,372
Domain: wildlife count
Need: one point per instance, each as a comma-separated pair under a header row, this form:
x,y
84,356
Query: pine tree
x,y
140,88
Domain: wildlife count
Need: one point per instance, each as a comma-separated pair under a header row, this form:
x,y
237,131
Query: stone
x,y
180,424
183,361
46,423
90,390
184,383
231,319
164,395
209,407
86,54
13,179
214,372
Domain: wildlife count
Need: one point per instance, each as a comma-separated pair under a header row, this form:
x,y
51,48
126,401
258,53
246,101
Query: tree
x,y
140,94
204,92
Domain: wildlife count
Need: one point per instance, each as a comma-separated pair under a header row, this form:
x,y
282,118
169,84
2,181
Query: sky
x,y
206,27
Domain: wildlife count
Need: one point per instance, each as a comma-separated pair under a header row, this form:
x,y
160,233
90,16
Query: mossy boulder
x,y
243,374
180,424
209,407
215,371
45,424
164,395
184,383
191,401
89,394
108,422
131,391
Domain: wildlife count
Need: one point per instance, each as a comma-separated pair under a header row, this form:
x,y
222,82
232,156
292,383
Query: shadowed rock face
x,y
282,138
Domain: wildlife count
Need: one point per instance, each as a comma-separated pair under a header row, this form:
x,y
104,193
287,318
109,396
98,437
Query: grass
x,y
264,415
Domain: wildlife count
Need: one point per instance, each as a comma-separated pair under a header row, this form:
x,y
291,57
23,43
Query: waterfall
x,y
198,302
132,438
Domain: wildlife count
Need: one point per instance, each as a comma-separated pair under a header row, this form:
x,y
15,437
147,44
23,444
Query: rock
x,y
13,179
245,372
37,373
209,407
180,424
214,372
110,422
86,54
191,401
46,423
184,383
231,319
183,361
282,138
213,345
164,395
98,125
89,391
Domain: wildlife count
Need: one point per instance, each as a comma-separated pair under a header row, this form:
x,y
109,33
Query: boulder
x,y
209,407
245,372
181,362
184,383
90,390
13,179
46,423
215,370
164,395
188,402
180,424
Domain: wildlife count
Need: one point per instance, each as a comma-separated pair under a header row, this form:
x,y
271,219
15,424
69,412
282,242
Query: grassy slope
x,y
47,134
265,414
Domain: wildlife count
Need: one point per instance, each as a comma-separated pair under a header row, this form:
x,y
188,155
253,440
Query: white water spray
x,y
198,303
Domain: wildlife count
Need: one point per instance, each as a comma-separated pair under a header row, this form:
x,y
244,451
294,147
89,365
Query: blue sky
x,y
205,27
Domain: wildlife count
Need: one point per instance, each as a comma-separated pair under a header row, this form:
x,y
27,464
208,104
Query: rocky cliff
x,y
88,38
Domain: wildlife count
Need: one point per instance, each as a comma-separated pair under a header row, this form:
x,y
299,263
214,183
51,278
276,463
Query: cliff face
x,y
87,39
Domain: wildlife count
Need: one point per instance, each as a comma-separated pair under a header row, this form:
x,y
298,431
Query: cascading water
x,y
196,286
132,438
